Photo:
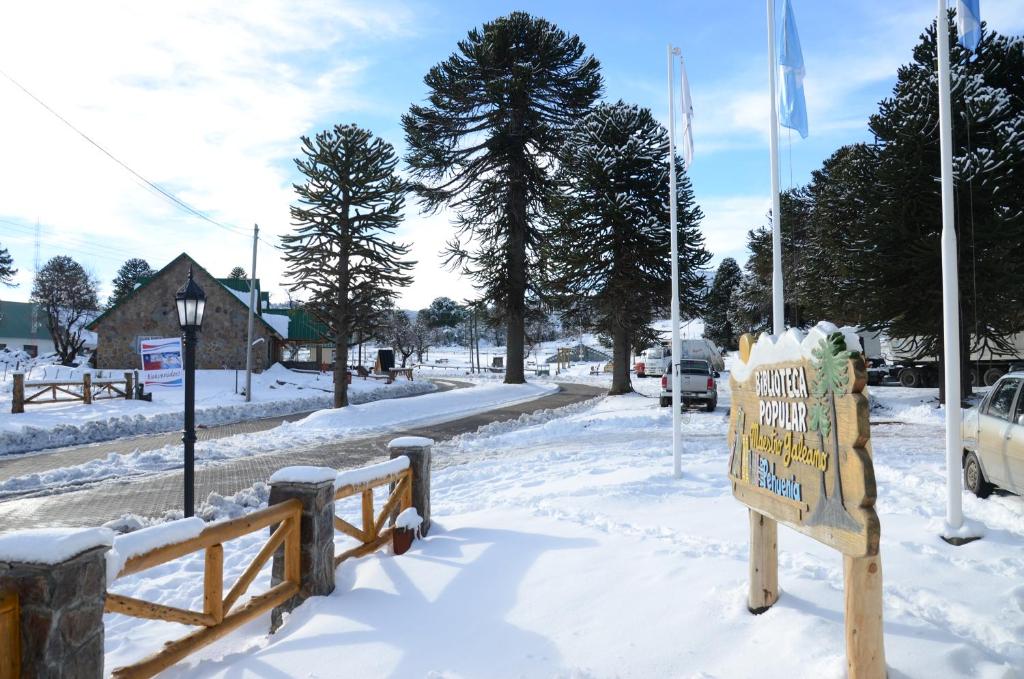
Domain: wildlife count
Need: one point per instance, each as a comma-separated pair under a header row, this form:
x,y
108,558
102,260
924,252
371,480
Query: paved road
x,y
54,458
153,495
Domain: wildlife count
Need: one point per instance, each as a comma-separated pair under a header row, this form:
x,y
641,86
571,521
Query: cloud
x,y
727,219
207,99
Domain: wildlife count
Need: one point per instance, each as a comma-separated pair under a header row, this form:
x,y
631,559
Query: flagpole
x,y
677,350
950,292
778,318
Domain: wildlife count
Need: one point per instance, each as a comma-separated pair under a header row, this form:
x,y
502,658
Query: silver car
x,y
993,436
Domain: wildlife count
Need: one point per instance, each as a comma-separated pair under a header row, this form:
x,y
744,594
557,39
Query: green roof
x,y
16,321
302,325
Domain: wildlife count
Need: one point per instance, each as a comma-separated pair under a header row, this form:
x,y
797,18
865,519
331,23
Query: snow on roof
x,y
52,545
411,442
303,474
793,345
278,322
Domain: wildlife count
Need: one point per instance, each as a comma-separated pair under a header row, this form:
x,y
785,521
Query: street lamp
x,y
191,303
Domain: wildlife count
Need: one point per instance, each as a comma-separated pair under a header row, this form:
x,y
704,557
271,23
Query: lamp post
x,y
191,303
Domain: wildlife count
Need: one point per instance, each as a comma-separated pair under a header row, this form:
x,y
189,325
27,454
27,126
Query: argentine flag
x,y
792,107
968,23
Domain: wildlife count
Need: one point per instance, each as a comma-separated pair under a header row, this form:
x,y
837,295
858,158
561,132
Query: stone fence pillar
x,y
60,578
417,449
314,487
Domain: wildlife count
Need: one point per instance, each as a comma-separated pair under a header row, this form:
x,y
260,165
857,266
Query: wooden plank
x,y
18,393
369,527
293,553
217,533
343,526
253,569
174,651
213,583
764,563
865,643
356,488
136,608
368,548
390,505
10,636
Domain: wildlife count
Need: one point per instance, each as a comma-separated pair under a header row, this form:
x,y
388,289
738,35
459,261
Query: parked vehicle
x,y
986,364
993,435
655,361
697,385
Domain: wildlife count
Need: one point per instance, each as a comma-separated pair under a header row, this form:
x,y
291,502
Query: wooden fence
x,y
10,636
88,390
217,617
373,535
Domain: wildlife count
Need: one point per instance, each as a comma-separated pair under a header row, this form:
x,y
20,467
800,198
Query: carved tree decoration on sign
x,y
831,360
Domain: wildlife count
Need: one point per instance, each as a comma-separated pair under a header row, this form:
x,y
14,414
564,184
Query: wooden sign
x,y
799,454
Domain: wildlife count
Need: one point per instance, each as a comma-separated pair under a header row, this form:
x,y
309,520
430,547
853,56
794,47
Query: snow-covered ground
x,y
276,391
321,427
563,547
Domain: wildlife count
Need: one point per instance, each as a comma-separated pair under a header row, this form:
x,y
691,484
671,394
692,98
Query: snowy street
x,y
148,482
563,547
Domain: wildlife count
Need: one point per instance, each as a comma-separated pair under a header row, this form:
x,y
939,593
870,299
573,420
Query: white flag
x,y
684,92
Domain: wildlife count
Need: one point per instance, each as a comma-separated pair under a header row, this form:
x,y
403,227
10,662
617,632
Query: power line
x,y
159,189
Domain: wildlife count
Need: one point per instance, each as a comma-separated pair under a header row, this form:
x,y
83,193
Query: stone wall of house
x,y
151,313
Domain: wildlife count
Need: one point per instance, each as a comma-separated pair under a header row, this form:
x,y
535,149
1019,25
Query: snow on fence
x,y
87,390
217,617
87,561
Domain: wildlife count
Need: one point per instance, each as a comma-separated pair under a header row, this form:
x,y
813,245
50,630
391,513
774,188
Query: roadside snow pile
x,y
565,548
276,392
321,427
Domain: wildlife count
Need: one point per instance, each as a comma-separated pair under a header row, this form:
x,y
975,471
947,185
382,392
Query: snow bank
x,y
276,392
51,545
793,345
147,539
370,473
303,474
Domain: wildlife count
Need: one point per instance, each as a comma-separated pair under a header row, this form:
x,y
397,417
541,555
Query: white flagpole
x,y
778,310
677,350
950,288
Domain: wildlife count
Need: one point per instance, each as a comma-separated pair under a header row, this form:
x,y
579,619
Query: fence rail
x,y
219,615
88,390
373,535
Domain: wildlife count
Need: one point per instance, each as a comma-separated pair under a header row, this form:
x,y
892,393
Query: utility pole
x,y
252,316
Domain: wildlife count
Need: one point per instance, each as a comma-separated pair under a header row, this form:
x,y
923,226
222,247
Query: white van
x,y
655,362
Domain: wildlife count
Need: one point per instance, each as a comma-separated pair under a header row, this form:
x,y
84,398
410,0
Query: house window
x,y
31,349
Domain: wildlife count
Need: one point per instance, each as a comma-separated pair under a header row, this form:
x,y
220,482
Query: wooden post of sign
x,y
764,542
87,388
865,646
764,563
18,394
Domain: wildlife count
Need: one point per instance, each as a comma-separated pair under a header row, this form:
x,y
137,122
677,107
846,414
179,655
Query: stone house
x,y
149,312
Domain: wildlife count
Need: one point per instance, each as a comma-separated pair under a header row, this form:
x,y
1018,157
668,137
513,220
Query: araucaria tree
x,y
717,326
341,254
607,252
128,276
238,273
498,111
7,270
67,294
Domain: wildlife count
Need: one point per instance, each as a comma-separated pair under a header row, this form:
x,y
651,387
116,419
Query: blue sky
x,y
208,99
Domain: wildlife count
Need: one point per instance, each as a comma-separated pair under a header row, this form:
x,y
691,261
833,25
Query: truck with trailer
x,y
655,361
987,364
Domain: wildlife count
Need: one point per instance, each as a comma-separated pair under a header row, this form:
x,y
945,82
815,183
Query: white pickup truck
x,y
697,385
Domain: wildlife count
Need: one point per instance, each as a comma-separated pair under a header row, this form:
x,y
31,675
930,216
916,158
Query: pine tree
x,y
67,294
717,326
131,273
340,253
7,270
900,282
498,110
608,246
238,274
